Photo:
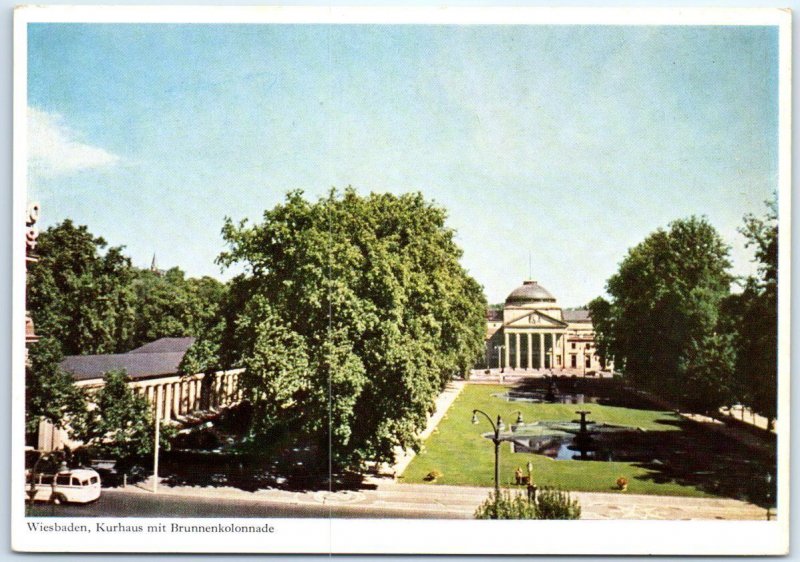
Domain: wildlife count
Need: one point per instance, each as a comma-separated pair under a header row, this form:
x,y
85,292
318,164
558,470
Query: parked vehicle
x,y
77,485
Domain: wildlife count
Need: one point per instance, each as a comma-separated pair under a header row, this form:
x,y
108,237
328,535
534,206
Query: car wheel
x,y
58,499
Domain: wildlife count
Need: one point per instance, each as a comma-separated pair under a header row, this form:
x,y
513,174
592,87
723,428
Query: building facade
x,y
153,373
533,332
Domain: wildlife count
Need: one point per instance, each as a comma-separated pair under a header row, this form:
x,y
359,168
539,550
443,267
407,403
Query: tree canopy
x,y
660,325
353,315
753,318
118,422
86,298
79,291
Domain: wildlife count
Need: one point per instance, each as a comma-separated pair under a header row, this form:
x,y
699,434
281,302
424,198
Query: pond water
x,y
562,440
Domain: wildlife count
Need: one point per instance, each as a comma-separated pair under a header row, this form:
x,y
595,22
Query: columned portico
x,y
551,337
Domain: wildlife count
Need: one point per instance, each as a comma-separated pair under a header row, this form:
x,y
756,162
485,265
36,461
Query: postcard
x,y
401,280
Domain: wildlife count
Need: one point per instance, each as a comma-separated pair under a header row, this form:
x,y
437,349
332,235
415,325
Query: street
x,y
118,503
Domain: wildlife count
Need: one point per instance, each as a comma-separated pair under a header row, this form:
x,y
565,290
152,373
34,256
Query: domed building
x,y
534,332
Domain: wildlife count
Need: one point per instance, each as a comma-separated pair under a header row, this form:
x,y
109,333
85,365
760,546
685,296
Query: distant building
x,y
534,332
153,373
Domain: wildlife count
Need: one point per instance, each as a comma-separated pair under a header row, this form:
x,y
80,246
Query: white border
x,y
418,536
404,15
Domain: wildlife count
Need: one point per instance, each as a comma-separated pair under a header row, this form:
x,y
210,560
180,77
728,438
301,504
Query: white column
x,y
150,392
530,350
516,351
167,402
198,392
184,397
217,390
176,399
541,350
507,349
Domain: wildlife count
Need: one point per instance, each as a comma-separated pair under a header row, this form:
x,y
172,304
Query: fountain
x,y
583,441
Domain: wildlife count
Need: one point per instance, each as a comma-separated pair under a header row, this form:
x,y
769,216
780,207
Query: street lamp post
x,y
497,428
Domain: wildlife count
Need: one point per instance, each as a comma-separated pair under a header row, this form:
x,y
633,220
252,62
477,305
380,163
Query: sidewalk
x,y
460,502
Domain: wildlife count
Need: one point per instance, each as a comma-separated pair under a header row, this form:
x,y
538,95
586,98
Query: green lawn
x,y
458,450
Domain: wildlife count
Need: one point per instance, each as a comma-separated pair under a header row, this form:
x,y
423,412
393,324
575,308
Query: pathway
x,y
391,499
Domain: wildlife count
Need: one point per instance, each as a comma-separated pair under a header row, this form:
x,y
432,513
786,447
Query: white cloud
x,y
55,150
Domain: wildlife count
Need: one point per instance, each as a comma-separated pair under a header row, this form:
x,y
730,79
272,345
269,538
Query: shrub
x,y
549,504
506,506
433,475
556,504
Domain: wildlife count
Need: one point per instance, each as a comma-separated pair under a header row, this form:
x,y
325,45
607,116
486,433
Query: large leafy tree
x,y
754,318
79,291
118,421
50,393
170,305
661,323
353,314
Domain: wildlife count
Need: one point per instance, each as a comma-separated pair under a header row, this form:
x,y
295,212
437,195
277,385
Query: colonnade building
x,y
153,373
533,332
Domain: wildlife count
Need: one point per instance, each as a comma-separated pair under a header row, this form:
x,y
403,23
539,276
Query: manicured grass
x,y
458,450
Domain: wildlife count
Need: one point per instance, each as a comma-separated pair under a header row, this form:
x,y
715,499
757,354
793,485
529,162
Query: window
x,y
573,346
94,480
574,360
588,361
62,480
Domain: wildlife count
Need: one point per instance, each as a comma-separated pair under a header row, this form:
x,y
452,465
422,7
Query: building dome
x,y
529,292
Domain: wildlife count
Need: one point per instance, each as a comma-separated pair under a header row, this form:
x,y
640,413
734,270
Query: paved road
x,y
137,504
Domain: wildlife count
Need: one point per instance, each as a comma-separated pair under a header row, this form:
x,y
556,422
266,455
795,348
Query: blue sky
x,y
568,144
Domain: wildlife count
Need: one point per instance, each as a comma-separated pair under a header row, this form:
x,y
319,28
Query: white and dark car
x,y
77,485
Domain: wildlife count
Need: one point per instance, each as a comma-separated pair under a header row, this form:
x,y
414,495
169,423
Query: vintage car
x,y
77,485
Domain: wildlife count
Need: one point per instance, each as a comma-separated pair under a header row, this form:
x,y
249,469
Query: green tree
x,y
79,293
600,311
369,293
118,422
170,305
662,318
755,319
50,393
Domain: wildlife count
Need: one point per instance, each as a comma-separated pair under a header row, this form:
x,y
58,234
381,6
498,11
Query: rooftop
x,y
158,358
577,315
165,345
529,291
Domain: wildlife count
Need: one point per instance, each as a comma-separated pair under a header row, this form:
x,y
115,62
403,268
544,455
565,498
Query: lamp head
x,y
500,425
519,418
474,418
